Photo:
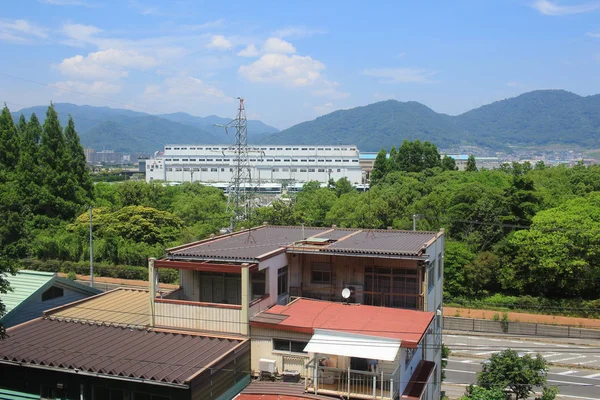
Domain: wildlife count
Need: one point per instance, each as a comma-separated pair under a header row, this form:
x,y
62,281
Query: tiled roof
x,y
250,245
25,283
120,307
162,357
308,314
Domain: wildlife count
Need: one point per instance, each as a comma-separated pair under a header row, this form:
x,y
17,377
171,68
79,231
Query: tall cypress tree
x,y
54,162
9,141
29,173
77,161
380,167
22,127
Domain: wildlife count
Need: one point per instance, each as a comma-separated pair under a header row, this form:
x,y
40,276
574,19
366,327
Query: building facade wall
x,y
269,163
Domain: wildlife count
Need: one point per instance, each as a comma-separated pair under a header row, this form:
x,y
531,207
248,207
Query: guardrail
x,y
518,328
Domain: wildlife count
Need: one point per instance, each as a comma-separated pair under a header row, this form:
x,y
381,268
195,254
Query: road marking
x,y
516,341
495,340
540,344
586,362
450,335
457,370
568,358
594,376
486,352
576,397
571,383
566,372
460,344
467,361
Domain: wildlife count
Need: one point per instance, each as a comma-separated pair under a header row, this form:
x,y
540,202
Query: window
x,y
288,148
339,170
209,159
311,170
321,272
175,148
258,283
440,265
346,160
269,160
176,159
287,160
280,148
177,169
408,355
184,148
293,169
186,169
354,160
192,159
213,170
167,148
312,160
304,148
431,276
204,169
271,148
169,169
302,169
338,160
296,148
192,148
282,281
201,159
320,148
222,169
285,170
391,287
321,160
277,160
321,169
275,170
289,345
328,148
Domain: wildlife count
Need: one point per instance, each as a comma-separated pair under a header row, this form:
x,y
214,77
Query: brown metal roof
x,y
119,307
250,245
245,245
265,390
158,357
384,242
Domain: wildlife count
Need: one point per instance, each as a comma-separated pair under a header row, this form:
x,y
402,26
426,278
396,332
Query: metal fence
x,y
518,328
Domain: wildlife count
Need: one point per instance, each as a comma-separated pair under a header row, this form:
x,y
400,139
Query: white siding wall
x,y
262,347
197,317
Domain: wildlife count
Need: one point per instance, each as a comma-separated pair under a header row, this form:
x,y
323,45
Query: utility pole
x,y
415,217
91,251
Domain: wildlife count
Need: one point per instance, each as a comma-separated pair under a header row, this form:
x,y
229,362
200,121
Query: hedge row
x,y
530,304
101,269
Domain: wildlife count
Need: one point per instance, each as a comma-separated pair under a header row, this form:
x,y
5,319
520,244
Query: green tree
x,y
417,156
9,141
508,370
479,393
77,162
343,186
449,164
471,164
393,160
380,167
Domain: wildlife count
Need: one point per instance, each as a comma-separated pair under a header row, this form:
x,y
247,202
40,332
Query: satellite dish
x,y
346,293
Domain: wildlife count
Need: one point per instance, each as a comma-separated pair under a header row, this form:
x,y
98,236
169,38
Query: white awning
x,y
353,345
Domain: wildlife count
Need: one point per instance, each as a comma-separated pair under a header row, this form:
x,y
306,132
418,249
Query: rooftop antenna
x,y
240,186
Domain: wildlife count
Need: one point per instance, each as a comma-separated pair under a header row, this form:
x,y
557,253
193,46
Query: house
x,y
102,348
345,349
36,291
226,281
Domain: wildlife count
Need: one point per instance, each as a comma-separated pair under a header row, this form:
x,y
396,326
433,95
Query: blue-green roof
x,y
15,395
27,283
24,284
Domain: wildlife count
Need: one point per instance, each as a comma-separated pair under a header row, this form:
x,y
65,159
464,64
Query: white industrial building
x,y
214,164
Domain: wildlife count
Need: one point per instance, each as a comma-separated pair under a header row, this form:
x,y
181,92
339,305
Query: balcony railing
x,y
351,383
199,316
412,301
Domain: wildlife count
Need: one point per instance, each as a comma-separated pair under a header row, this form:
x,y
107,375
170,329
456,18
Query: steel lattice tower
x,y
240,187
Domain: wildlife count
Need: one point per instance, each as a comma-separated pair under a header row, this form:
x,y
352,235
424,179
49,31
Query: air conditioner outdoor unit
x,y
267,365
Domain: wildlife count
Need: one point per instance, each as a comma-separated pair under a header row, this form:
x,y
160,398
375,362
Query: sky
x,y
293,61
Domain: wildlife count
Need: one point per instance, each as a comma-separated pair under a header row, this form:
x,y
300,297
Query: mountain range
x,y
130,131
538,118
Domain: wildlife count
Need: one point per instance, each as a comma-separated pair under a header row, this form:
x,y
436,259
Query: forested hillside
x,y
535,119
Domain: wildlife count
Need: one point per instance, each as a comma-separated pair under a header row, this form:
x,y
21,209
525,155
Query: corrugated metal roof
x,y
246,245
251,244
396,323
23,285
384,242
120,306
162,357
266,390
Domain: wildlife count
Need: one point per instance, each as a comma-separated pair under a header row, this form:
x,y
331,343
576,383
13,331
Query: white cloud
x,y
297,32
249,51
185,86
289,70
329,89
401,75
276,45
104,64
513,84
206,25
594,35
21,30
79,34
96,87
219,42
324,109
547,7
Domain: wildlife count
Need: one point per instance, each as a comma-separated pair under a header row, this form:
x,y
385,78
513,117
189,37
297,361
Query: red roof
x,y
305,315
267,397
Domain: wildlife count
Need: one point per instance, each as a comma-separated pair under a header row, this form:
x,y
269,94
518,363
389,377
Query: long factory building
x,y
293,165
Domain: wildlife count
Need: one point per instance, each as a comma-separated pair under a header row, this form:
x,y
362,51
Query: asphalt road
x,y
574,384
564,354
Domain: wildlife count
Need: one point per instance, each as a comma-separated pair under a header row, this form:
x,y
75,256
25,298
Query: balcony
x,y
352,384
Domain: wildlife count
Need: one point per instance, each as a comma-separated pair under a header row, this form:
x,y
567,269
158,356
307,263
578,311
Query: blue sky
x,y
293,61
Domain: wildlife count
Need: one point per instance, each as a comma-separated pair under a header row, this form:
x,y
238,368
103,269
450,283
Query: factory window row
x,y
265,148
288,160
